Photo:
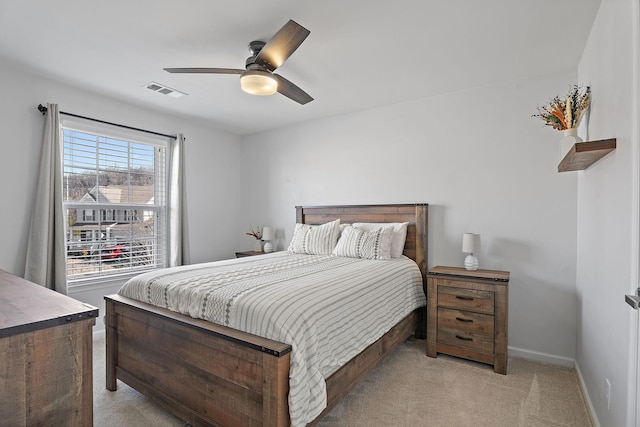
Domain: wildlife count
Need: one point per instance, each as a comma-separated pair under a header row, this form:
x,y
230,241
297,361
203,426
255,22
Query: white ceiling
x,y
360,53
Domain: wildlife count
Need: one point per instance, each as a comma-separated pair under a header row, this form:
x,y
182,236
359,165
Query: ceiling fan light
x,y
258,82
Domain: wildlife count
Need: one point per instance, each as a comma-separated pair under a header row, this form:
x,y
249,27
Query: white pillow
x,y
399,234
343,226
315,239
360,243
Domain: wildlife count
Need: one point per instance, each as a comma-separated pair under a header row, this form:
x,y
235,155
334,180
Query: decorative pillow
x,y
315,239
399,234
360,243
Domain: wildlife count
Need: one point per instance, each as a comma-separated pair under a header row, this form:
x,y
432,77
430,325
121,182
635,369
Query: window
x,y
107,215
114,192
88,215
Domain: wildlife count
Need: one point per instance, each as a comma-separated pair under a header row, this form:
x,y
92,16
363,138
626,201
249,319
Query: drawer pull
x,y
464,338
464,298
460,319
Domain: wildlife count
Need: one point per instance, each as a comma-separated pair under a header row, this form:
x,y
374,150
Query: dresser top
x,y
495,275
26,307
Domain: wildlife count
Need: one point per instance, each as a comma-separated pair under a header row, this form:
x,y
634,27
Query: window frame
x,y
160,196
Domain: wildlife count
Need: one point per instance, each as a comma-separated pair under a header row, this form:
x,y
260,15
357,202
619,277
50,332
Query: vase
x,y
569,139
257,246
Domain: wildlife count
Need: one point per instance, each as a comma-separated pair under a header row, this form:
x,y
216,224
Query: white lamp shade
x,y
257,82
267,233
470,243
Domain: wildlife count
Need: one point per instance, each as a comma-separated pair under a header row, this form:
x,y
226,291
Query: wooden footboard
x,y
209,375
203,373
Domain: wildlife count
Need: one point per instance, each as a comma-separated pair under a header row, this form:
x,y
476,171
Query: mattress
x,y
327,308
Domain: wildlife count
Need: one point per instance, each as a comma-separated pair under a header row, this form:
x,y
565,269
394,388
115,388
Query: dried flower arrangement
x,y
257,233
565,113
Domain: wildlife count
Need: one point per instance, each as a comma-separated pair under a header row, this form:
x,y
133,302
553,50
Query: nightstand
x,y
247,253
467,314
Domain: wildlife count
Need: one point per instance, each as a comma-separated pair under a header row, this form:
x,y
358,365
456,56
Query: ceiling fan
x,y
258,78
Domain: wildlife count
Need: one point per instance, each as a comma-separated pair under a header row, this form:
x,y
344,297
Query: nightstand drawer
x,y
474,341
466,299
465,321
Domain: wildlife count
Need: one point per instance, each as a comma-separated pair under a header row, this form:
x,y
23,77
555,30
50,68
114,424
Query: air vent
x,y
157,87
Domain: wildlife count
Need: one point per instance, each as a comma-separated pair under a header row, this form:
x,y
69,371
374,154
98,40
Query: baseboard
x,y
587,399
552,359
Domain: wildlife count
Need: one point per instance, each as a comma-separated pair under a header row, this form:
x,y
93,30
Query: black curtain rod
x,y
43,110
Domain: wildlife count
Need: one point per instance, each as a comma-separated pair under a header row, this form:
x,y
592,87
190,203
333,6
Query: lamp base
x,y
268,247
471,262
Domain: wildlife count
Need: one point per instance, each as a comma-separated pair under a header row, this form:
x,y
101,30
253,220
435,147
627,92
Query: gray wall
x,y
607,258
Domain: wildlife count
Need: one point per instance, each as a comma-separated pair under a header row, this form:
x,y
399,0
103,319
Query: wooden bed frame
x,y
211,375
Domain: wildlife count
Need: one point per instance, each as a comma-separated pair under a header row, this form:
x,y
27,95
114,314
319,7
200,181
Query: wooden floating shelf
x,y
584,154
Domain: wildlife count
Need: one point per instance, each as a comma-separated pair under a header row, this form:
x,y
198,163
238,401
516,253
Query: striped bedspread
x,y
327,308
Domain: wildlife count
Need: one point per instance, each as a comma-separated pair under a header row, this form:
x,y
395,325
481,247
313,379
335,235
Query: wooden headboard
x,y
417,215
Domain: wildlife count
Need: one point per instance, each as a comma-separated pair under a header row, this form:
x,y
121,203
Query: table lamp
x,y
267,236
470,246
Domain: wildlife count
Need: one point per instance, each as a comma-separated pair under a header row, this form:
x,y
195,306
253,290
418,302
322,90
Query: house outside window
x,y
115,203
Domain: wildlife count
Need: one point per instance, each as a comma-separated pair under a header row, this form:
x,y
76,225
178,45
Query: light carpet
x,y
407,389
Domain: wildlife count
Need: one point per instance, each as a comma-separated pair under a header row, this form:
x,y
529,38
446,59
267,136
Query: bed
x,y
208,374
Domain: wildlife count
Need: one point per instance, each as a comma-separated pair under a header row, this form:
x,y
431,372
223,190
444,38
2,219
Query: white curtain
x,y
178,231
45,262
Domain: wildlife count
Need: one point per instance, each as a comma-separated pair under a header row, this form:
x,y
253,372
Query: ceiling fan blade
x,y
291,91
282,45
205,70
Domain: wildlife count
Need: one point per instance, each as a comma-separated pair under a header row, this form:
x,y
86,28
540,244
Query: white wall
x,y
212,166
607,216
482,163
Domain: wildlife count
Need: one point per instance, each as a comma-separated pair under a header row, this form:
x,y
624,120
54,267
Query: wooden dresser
x,y
46,365
467,314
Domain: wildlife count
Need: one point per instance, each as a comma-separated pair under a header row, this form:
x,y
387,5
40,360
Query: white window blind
x,y
115,197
